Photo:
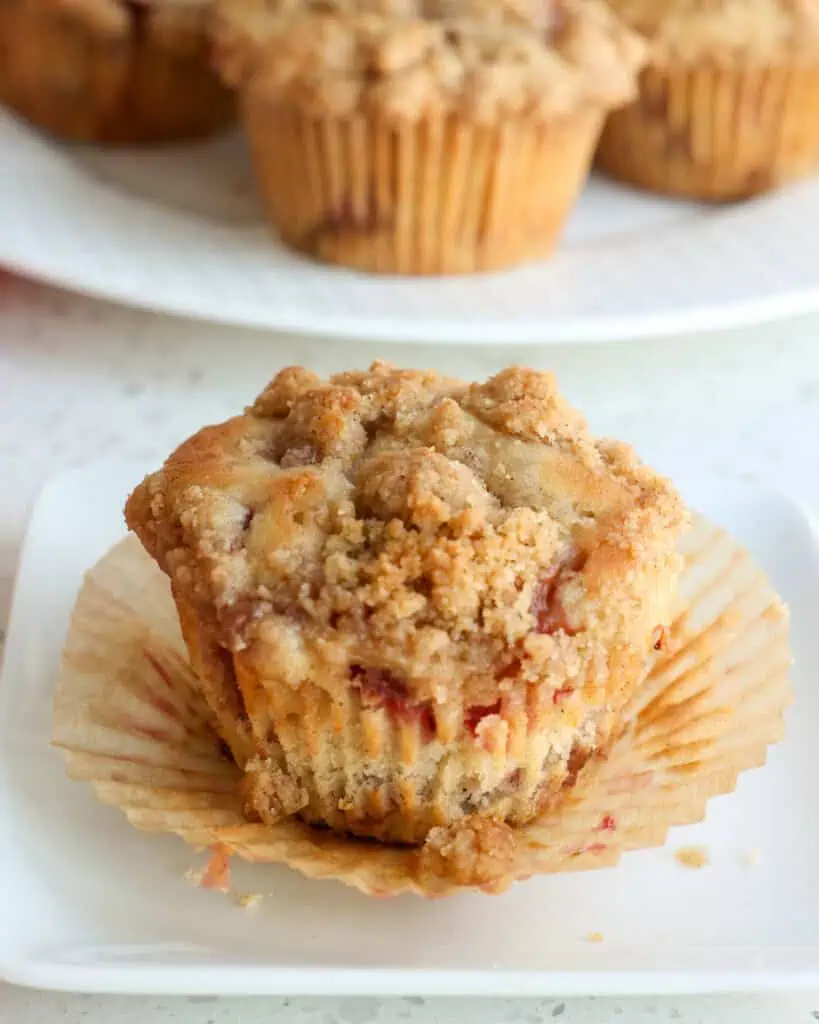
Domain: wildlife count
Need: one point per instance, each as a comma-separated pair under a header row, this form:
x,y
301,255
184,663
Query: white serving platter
x,y
178,230
90,904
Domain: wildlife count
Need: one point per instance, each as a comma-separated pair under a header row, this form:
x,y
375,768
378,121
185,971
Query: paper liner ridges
x,y
129,716
440,197
718,133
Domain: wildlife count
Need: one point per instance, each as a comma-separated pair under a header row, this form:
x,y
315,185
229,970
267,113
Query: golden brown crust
x,y
438,597
403,512
762,31
475,852
410,59
111,70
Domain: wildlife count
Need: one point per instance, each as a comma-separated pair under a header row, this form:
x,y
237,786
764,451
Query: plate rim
x,y
380,982
584,331
683,315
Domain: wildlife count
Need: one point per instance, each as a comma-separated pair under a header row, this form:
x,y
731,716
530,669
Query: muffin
x,y
729,103
412,601
122,71
423,136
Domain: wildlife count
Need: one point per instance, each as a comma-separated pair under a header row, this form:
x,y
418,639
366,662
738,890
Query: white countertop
x,y
81,380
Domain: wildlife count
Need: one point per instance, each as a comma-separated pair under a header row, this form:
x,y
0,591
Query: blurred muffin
x,y
409,600
423,136
127,71
729,102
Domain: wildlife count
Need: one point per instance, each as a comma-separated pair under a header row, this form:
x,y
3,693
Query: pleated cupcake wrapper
x,y
443,196
714,132
131,721
368,768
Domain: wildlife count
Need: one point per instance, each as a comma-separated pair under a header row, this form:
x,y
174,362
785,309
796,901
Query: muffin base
x,y
131,719
437,197
389,773
715,133
117,74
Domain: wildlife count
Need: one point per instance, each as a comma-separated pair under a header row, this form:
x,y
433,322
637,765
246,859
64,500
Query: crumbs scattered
x,y
215,874
694,857
594,937
249,900
753,857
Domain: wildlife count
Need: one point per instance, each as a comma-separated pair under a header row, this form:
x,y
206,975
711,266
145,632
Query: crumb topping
x,y
416,537
408,59
477,851
725,29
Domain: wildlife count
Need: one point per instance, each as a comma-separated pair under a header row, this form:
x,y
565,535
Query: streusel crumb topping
x,y
725,29
477,851
408,59
415,534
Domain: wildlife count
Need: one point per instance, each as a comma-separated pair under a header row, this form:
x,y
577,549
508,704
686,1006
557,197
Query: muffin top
x,y
722,29
444,534
408,59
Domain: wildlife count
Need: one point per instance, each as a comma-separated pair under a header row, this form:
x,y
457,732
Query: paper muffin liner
x,y
132,722
715,133
368,763
84,74
442,196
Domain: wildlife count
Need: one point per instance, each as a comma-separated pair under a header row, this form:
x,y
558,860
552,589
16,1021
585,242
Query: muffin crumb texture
x,y
476,852
722,30
409,59
422,601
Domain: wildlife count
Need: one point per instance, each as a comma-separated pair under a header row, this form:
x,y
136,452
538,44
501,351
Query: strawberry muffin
x,y
424,136
728,104
413,602
127,71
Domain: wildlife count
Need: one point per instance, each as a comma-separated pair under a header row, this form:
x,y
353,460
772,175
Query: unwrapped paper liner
x,y
130,719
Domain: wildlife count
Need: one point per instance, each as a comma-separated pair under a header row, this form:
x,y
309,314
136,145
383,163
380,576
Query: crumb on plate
x,y
594,937
694,857
215,874
249,900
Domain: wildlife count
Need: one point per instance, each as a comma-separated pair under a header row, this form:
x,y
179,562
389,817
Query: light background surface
x,y
81,380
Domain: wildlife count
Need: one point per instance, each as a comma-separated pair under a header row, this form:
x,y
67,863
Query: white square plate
x,y
87,903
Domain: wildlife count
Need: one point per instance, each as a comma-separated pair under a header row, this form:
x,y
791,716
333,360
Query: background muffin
x,y
411,600
110,70
729,103
428,137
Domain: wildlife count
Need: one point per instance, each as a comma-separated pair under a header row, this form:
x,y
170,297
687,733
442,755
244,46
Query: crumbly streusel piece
x,y
761,30
408,59
428,600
